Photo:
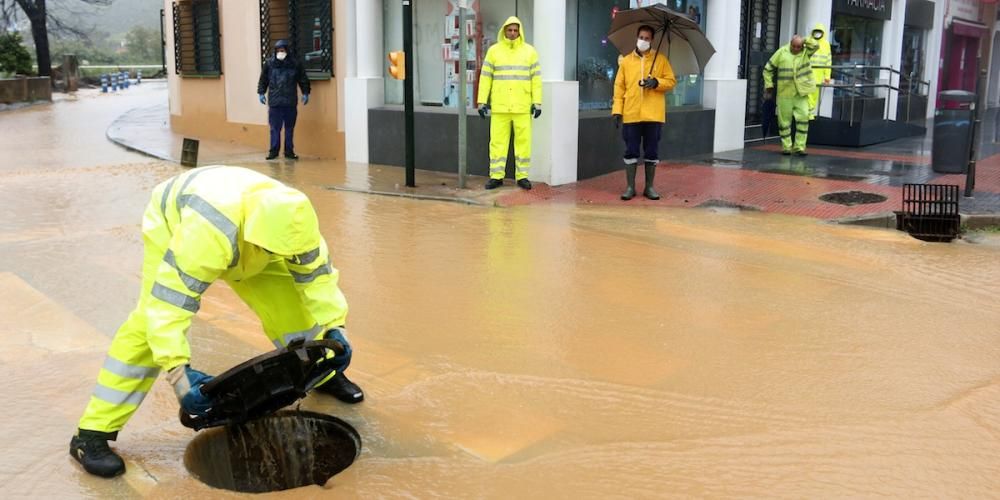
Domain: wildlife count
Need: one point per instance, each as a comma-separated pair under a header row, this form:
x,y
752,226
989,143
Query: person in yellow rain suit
x,y
642,80
229,223
510,90
789,69
822,57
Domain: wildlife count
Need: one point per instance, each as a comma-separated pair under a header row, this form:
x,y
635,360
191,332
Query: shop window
x,y
856,41
308,27
437,40
597,58
196,38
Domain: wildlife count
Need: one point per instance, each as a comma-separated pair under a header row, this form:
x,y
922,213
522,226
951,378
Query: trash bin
x,y
953,133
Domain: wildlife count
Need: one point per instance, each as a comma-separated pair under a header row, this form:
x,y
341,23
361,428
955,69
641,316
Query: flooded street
x,y
529,352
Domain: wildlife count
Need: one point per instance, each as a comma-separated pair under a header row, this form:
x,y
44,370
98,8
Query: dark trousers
x,y
644,134
282,116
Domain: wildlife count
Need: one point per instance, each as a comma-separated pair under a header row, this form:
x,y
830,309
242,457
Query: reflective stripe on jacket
x,y
791,73
822,57
511,79
212,214
635,103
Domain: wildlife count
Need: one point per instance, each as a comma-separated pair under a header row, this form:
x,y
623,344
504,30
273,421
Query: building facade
x,y
893,54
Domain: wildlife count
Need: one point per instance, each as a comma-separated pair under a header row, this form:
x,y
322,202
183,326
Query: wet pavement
x,y
560,349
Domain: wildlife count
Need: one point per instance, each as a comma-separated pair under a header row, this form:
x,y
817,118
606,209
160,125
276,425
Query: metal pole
x,y
408,92
970,175
462,96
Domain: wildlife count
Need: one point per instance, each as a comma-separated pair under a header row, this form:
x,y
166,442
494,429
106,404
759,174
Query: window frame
x,y
281,19
186,23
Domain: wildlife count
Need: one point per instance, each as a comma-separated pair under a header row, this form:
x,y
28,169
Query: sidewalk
x,y
756,178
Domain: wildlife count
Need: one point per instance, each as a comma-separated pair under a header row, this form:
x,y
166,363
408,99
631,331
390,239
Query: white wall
x,y
240,35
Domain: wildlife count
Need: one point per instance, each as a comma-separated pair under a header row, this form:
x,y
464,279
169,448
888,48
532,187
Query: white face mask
x,y
281,55
642,45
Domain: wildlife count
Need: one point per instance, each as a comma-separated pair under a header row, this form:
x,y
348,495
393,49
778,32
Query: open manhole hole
x,y
851,198
282,451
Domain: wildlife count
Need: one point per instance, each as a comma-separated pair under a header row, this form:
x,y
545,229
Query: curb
x,y
413,196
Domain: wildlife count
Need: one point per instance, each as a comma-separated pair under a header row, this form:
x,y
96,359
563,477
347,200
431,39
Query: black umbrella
x,y
688,49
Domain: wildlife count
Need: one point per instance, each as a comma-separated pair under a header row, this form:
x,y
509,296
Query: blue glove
x,y
536,110
263,100
305,99
187,384
340,361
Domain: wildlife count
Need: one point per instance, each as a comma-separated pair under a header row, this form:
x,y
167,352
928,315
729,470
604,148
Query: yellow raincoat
x,y
510,82
822,57
793,75
635,103
207,224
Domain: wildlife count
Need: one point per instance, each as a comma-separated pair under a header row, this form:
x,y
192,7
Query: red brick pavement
x,y
689,185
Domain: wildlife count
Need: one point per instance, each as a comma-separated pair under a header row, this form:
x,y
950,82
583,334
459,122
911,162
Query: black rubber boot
x,y
649,192
343,389
291,155
630,179
524,184
91,449
494,183
272,154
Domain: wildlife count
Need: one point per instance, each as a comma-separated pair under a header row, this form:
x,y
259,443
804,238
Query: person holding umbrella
x,y
642,80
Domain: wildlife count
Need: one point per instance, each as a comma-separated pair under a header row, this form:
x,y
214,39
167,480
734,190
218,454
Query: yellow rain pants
x,y
500,129
796,108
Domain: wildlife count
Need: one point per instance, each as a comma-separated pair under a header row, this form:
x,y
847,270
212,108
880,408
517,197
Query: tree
x,y
14,56
142,45
40,18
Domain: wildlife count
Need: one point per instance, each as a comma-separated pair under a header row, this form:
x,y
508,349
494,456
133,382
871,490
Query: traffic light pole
x,y
408,92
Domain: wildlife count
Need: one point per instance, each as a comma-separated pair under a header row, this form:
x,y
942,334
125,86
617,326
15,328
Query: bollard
x,y
125,79
138,76
104,83
114,82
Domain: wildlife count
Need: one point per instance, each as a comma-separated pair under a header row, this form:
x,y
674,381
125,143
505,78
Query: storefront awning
x,y
962,27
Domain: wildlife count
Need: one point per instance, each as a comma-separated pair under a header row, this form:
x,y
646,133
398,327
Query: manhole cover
x,y
285,450
851,198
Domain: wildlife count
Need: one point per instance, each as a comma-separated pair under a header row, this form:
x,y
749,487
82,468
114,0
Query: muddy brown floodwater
x,y
547,351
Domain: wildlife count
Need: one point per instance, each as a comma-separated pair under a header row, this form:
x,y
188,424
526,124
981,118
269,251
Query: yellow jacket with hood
x,y
635,103
511,79
230,223
822,57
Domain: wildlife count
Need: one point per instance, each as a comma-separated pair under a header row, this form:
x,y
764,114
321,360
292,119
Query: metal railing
x,y
858,82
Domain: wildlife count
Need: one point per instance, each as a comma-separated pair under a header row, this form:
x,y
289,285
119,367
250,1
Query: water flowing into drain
x,y
283,451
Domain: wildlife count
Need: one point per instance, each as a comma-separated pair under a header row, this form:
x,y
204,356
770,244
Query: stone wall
x,y
25,89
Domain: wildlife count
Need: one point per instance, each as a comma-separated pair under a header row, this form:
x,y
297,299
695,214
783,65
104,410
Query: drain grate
x,y
851,198
930,212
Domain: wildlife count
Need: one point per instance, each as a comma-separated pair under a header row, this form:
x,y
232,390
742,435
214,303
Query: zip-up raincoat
x,y
791,73
635,103
511,79
207,224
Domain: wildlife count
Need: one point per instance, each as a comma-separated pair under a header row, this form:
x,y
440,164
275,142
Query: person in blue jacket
x,y
278,78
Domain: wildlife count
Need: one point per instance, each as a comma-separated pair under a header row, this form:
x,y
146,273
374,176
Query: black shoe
x,y
494,183
801,153
785,152
91,449
271,155
524,184
343,389
291,156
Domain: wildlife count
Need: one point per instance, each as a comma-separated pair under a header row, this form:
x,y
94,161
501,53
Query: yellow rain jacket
x,y
511,79
792,73
231,223
635,103
822,57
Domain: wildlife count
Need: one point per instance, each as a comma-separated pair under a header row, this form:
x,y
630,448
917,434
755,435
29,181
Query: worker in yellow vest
x,y
510,90
790,70
821,61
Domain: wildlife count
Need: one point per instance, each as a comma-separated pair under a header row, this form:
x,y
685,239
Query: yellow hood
x,y
819,27
520,35
282,221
